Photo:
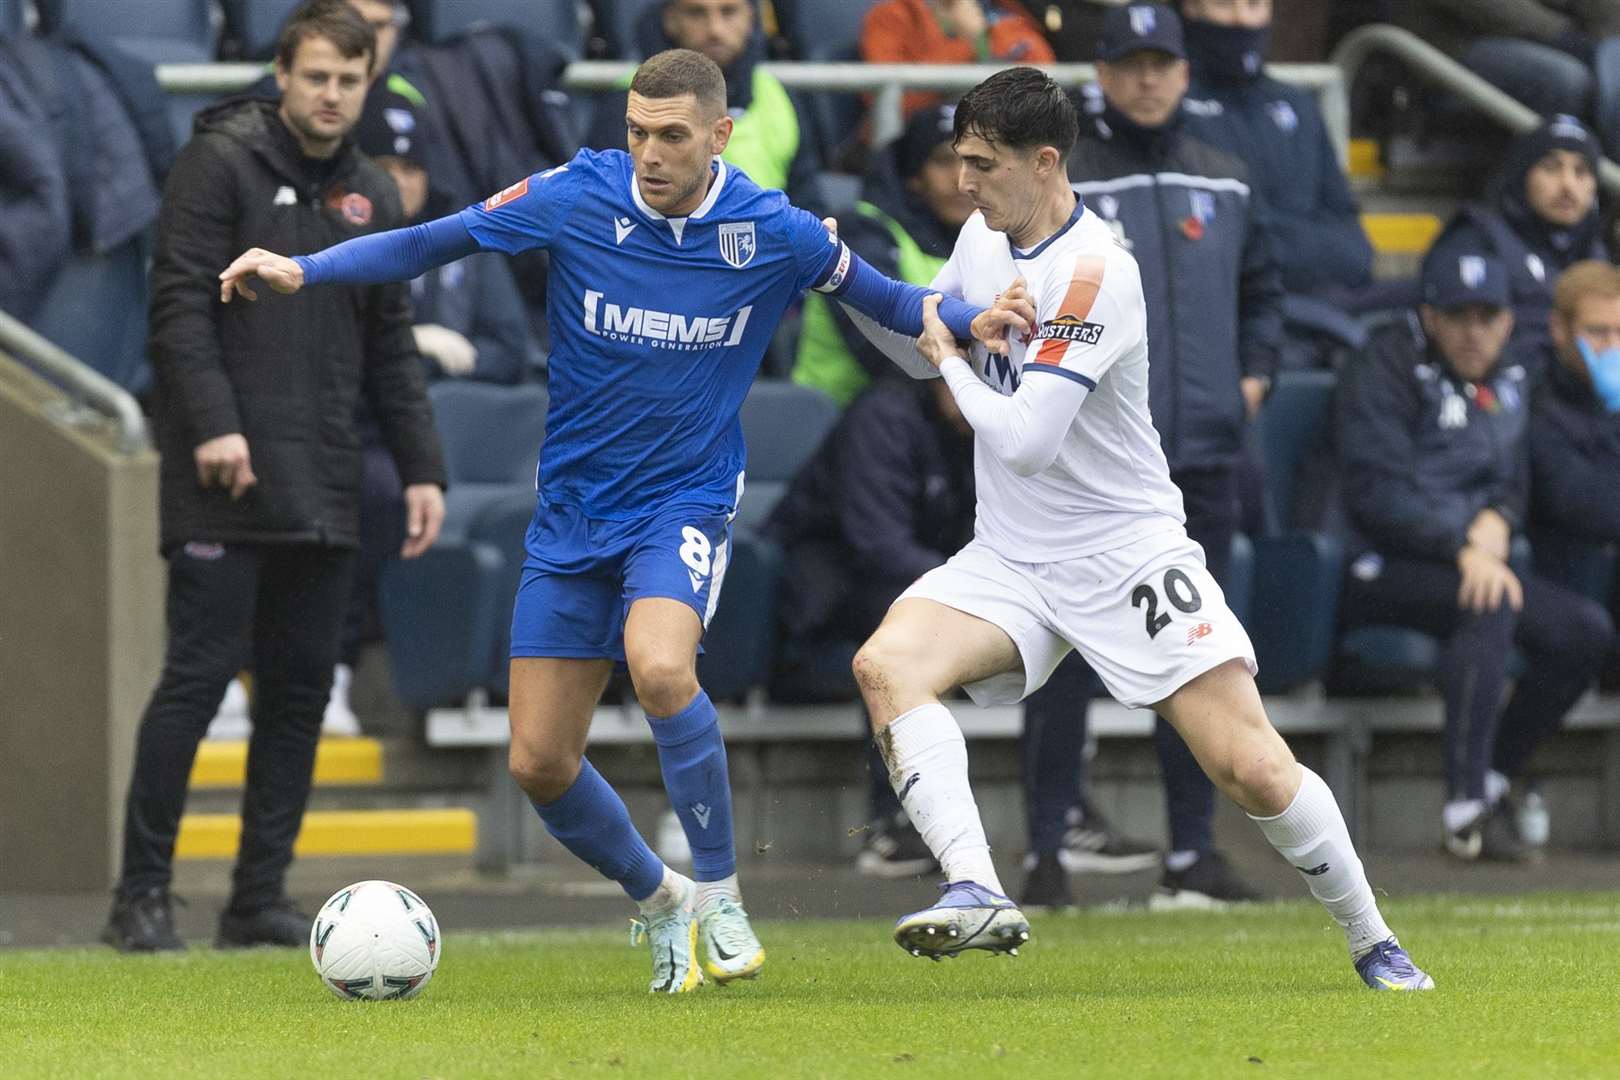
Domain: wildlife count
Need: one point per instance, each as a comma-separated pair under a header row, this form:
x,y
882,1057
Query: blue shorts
x,y
582,575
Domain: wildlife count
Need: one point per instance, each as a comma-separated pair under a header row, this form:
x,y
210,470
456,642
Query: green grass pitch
x,y
1527,987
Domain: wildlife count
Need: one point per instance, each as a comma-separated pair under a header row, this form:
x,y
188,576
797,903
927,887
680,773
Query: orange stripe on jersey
x,y
1084,284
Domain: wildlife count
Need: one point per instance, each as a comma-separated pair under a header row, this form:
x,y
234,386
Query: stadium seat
x,y
159,31
441,616
1582,565
616,23
826,31
11,17
491,436
739,648
557,21
109,334
783,424
1295,598
501,525
256,24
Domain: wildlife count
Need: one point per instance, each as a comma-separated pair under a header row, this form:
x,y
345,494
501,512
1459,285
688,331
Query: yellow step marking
x,y
446,831
1401,234
1364,163
337,762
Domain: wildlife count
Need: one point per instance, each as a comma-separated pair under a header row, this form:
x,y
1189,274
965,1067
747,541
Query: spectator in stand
x,y
771,138
887,496
1556,56
1433,464
950,32
1575,422
469,324
253,414
1277,129
906,226
1185,211
1542,217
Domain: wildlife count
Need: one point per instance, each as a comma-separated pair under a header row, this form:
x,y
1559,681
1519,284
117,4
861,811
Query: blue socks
x,y
590,820
693,758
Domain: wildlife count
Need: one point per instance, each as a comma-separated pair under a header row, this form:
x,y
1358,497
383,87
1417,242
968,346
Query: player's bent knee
x,y
664,684
1264,778
545,775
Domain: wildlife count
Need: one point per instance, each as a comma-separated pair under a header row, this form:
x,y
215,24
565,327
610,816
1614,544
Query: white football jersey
x,y
1110,484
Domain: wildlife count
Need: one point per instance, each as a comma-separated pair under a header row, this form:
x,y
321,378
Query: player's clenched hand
x,y
832,226
224,461
1013,312
424,514
278,271
937,344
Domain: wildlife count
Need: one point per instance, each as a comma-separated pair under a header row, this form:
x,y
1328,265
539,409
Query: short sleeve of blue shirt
x,y
532,212
815,251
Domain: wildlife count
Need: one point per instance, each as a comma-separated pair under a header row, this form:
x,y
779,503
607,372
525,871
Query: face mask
x,y
1605,369
1227,53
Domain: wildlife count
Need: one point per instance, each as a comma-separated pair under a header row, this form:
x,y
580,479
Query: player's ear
x,y
1046,159
720,136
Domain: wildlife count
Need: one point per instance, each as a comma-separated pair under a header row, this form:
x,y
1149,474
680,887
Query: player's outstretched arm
x,y
395,255
897,305
1024,431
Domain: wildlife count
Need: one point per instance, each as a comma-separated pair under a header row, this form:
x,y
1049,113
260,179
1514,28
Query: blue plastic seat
x,y
491,436
441,616
557,21
827,31
256,24
1295,598
159,31
11,17
783,424
109,334
740,646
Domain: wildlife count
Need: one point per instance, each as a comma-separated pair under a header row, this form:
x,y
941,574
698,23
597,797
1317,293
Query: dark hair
x,y
334,20
1021,108
674,72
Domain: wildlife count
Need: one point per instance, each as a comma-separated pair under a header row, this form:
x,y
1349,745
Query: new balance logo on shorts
x,y
1202,630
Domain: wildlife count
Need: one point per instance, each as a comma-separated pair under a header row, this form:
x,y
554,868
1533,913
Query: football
x,y
375,940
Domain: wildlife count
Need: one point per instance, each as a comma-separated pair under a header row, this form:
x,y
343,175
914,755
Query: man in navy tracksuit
x,y
1541,218
1214,300
1430,435
1278,131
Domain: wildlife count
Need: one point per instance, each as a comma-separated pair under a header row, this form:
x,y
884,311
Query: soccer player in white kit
x,y
1079,543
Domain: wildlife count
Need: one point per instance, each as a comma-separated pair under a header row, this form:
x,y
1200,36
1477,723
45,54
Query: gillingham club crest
x,y
737,245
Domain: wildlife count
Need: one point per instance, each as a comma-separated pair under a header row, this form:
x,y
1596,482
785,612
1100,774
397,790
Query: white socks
x,y
1312,836
712,892
1459,813
928,766
674,891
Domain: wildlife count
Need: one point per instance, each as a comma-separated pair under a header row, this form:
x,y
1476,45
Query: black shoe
x,y
1091,846
279,924
1209,883
1500,840
1047,884
894,849
143,922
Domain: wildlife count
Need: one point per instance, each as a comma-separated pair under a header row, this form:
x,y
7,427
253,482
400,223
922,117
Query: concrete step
x,y
390,831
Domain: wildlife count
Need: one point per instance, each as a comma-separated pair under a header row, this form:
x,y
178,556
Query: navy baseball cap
x,y
1140,27
1456,276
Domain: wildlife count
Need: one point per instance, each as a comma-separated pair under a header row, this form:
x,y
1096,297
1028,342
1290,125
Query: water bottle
x,y
1534,822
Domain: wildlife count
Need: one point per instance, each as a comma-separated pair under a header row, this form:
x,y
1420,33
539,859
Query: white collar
x,y
677,225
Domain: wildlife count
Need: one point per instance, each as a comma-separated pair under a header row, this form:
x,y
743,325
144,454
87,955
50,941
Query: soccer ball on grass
x,y
375,940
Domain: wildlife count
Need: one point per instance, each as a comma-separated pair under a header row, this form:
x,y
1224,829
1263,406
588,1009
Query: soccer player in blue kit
x,y
669,273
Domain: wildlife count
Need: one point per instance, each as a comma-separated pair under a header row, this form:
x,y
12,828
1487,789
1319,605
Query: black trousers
x,y
1055,715
281,607
1563,636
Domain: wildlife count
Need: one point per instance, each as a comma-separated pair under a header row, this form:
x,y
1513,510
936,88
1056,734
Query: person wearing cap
x,y
1540,217
1184,208
1430,432
771,137
1278,130
905,225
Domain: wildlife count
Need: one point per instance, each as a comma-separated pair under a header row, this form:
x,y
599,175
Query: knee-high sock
x,y
1312,836
927,760
692,755
590,820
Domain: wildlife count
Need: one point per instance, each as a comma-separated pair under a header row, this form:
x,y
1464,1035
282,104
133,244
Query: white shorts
x,y
1147,617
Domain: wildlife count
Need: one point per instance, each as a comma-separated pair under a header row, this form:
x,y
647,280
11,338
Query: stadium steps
x,y
371,797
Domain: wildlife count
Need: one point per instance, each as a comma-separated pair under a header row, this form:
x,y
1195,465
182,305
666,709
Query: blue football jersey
x,y
658,325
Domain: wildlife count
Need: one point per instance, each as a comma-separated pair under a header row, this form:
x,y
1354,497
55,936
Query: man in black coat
x,y
1214,306
254,418
1430,435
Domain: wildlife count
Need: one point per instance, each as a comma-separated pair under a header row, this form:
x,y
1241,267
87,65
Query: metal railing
x,y
79,382
1434,66
886,82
